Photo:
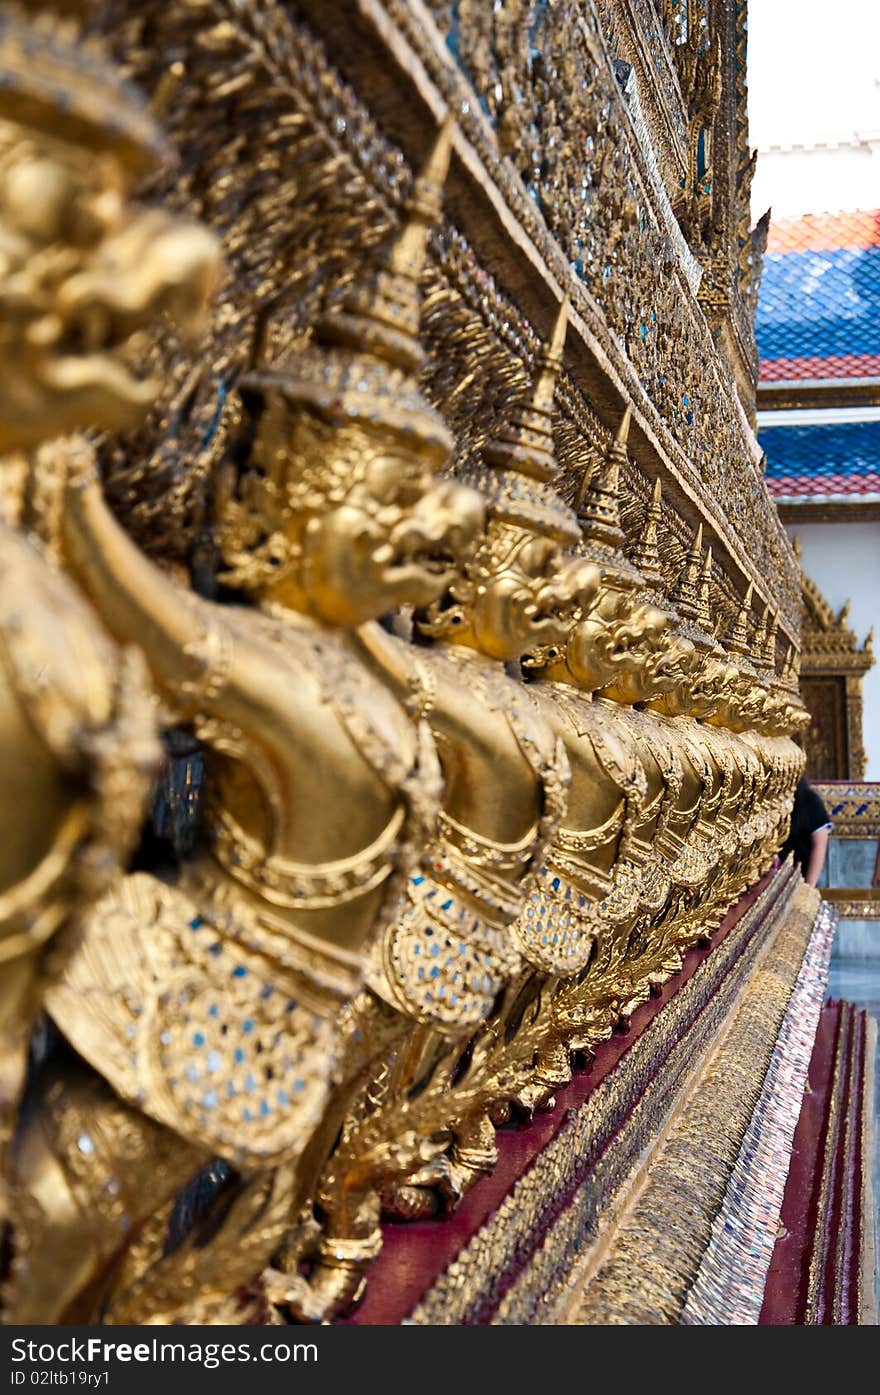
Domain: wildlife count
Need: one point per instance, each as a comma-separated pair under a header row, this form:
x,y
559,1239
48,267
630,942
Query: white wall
x,y
813,71
844,561
817,180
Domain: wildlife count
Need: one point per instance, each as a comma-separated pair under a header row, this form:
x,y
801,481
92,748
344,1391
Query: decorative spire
x,y
785,671
796,671
598,506
517,467
738,639
704,617
759,645
788,682
686,596
787,678
362,365
380,312
647,555
770,647
524,441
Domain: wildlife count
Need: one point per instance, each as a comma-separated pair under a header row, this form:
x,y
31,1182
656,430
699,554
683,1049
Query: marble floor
x,y
858,980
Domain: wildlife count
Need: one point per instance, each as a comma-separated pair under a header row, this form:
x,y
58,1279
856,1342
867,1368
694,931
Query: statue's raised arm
x,y
216,1005
82,268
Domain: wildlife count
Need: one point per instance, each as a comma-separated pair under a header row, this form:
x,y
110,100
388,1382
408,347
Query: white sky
x,y
814,70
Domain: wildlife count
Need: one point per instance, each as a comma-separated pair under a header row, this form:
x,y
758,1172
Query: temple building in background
x,y
818,329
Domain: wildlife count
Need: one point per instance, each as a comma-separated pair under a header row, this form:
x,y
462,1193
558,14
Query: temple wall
x,y
445,890
843,559
787,178
857,939
518,232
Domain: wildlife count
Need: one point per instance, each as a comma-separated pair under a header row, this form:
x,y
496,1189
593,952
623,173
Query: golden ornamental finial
x,y
550,364
787,677
770,646
686,595
789,680
380,314
622,438
363,365
647,554
759,645
518,465
704,618
524,441
738,640
554,350
598,507
408,250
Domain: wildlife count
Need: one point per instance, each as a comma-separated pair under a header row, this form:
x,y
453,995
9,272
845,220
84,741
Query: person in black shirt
x,y
809,832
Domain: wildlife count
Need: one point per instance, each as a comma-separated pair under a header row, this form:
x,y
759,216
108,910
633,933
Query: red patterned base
x,y
414,1254
821,1272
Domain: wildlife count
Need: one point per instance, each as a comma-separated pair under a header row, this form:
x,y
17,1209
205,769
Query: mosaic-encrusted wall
x,y
290,150
454,786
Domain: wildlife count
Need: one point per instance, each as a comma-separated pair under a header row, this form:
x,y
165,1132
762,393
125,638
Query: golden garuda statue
x,y
82,269
480,763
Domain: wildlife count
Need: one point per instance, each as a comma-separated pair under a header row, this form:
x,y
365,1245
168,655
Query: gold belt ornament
x,y
450,949
297,885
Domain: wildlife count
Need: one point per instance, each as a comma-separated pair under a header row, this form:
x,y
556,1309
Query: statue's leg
x,y
86,1172
19,1001
205,1267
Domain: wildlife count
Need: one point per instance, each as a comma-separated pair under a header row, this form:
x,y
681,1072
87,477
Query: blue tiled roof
x,y
819,308
819,320
835,460
819,304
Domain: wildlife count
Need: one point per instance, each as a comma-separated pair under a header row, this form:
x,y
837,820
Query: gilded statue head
x,y
740,695
704,677
342,520
520,590
794,717
703,689
754,697
623,646
799,719
81,267
781,699
782,710
734,708
519,593
332,505
705,682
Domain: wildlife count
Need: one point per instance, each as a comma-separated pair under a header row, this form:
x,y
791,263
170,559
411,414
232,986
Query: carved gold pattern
x,y
381,541
854,903
854,807
595,1153
83,269
831,651
719,1107
283,88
